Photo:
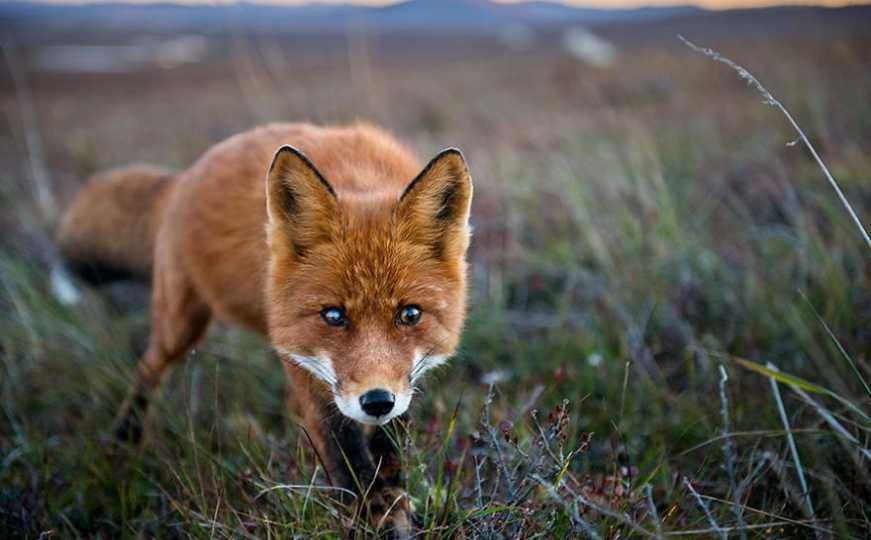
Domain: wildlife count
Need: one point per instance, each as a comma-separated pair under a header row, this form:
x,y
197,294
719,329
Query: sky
x,y
711,4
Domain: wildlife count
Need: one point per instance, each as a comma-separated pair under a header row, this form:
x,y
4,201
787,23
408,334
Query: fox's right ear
x,y
302,206
434,208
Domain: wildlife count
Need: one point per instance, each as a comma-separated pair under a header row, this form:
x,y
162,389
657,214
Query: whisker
x,y
312,365
426,363
416,370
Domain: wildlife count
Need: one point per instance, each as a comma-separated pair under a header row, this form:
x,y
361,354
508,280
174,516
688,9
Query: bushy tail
x,y
108,231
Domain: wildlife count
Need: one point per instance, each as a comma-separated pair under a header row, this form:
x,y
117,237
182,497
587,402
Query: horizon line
x,y
613,5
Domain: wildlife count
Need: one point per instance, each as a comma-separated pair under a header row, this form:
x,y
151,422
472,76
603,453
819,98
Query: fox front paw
x,y
390,513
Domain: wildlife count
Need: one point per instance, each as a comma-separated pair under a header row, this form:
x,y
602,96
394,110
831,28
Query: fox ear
x,y
302,206
434,208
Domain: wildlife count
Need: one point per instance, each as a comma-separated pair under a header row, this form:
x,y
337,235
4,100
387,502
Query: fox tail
x,y
108,232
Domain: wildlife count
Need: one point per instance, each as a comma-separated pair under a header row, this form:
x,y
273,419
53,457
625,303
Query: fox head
x,y
367,292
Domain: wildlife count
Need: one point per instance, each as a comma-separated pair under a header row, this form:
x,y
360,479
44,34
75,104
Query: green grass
x,y
620,260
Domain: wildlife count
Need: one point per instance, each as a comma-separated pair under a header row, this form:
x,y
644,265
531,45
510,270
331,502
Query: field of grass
x,y
639,229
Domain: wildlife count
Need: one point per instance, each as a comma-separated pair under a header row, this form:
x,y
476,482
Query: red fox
x,y
339,248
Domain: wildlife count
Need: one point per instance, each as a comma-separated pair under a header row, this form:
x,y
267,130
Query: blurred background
x,y
642,219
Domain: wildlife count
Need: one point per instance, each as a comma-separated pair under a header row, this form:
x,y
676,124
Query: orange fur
x,y
269,247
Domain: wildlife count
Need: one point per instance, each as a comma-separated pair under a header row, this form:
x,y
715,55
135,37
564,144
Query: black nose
x,y
377,402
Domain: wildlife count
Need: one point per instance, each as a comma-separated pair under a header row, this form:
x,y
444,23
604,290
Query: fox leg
x,y
361,460
179,318
338,441
390,505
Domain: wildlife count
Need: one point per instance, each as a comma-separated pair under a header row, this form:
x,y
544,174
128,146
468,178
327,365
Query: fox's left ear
x,y
434,208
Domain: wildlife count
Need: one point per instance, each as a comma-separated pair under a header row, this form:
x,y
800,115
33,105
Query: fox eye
x,y
408,315
334,316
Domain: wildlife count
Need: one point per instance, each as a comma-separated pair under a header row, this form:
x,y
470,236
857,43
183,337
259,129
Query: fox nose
x,y
377,402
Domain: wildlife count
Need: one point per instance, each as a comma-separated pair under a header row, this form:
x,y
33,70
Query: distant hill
x,y
431,16
484,14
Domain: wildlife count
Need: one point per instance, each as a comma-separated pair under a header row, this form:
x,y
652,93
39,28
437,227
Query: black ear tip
x,y
288,149
451,151
456,154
